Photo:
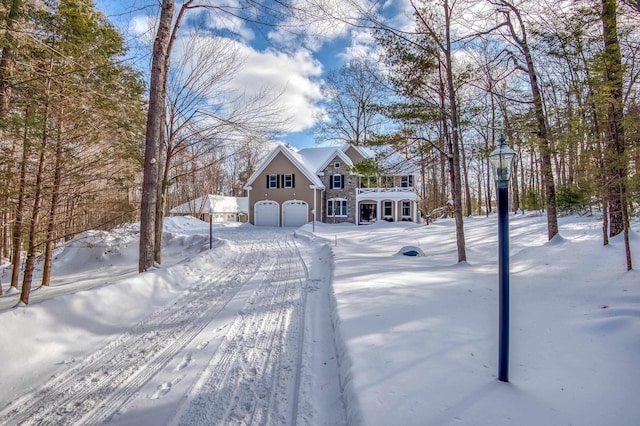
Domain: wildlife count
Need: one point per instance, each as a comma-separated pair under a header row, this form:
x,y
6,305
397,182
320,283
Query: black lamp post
x,y
501,159
210,229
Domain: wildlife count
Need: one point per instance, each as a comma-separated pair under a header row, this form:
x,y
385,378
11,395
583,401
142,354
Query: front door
x,y
368,212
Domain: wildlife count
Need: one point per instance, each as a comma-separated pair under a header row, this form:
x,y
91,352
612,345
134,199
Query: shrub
x,y
571,199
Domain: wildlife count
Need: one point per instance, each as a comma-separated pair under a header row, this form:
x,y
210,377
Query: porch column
x,y
249,206
378,210
396,214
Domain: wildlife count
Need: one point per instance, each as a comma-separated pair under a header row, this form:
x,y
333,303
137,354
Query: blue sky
x,y
291,63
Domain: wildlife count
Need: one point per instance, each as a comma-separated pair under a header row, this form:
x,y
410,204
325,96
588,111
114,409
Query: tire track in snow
x,y
93,390
253,377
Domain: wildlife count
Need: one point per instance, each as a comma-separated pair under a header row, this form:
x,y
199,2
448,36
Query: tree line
x,y
85,144
559,80
70,125
72,129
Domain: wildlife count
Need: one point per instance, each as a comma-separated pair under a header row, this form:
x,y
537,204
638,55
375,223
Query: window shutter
x,y
279,180
410,180
342,181
331,182
267,181
293,180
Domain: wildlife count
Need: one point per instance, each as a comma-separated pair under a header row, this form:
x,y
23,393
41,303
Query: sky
x,y
292,56
213,335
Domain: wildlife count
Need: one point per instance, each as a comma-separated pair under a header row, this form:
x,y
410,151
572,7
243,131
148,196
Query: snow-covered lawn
x,y
416,336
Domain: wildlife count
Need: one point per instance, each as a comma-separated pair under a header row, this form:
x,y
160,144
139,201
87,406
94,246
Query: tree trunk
x,y
33,224
465,172
455,132
615,156
55,196
6,61
615,162
544,144
153,138
37,197
16,237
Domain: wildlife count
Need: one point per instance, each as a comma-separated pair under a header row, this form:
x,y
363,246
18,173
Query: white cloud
x,y
363,46
143,27
294,77
316,22
287,84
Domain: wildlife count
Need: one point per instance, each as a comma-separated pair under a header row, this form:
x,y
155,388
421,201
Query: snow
x,y
328,327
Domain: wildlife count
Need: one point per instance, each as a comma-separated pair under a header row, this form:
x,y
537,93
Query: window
x,y
406,208
388,208
406,181
289,181
336,207
336,165
272,181
337,182
387,182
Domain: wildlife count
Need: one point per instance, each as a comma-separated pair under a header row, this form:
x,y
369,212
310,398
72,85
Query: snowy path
x,y
230,351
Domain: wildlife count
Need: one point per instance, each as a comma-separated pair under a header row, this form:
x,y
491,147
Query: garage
x,y
295,213
266,213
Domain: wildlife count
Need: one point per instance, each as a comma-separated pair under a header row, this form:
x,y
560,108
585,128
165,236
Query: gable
x,y
282,161
354,154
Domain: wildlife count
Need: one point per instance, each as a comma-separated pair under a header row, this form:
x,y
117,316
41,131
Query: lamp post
x,y
210,229
501,159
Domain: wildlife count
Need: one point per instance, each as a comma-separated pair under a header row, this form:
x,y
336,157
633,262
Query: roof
x,y
390,160
213,203
298,161
318,158
310,161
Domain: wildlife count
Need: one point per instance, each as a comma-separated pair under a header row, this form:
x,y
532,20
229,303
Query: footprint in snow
x,y
162,390
185,361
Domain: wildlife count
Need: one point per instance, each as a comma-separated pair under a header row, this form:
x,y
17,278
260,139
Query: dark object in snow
x,y
410,251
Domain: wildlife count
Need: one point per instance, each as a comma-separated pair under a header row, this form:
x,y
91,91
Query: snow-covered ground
x,y
330,325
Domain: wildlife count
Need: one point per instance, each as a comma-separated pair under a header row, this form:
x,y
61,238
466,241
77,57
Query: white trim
x,y
339,153
313,178
346,205
266,202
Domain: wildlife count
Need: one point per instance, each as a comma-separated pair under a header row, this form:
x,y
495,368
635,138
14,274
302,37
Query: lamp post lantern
x,y
501,159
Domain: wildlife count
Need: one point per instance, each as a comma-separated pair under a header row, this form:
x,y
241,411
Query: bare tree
x,y
517,31
154,137
355,95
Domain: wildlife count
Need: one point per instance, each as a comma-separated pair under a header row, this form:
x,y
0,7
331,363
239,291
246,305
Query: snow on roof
x,y
215,203
316,159
310,161
390,159
295,158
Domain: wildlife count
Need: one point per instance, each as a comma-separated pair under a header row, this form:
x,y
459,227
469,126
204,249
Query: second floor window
x,y
406,181
281,181
288,181
337,182
272,181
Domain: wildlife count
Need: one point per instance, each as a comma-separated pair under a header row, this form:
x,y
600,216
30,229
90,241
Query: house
x,y
291,188
217,208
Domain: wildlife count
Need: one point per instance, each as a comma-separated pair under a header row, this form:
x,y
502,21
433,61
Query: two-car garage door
x,y
294,213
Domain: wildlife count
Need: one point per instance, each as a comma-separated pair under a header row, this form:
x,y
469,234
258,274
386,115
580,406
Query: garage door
x,y
295,213
266,213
